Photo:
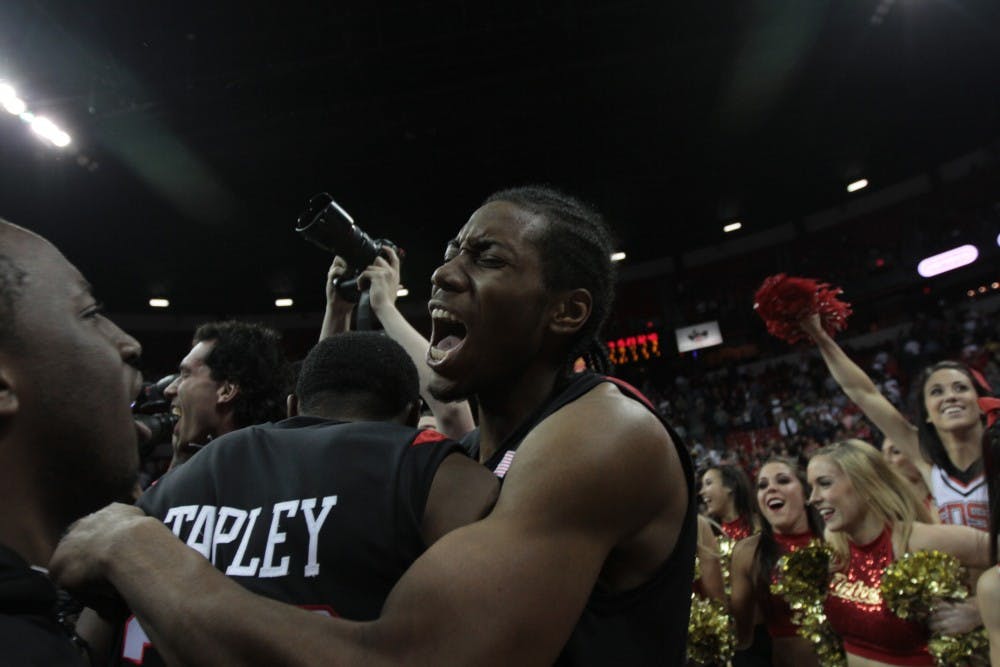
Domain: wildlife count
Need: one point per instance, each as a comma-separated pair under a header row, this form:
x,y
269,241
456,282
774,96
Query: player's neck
x,y
506,406
24,532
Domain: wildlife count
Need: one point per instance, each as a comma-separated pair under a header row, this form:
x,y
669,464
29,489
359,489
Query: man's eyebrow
x,y
484,242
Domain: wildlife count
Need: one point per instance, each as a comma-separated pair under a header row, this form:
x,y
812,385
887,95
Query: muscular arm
x,y
860,389
462,492
524,573
743,604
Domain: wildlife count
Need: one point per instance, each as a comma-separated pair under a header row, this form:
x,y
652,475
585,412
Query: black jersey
x,y
30,631
644,626
320,514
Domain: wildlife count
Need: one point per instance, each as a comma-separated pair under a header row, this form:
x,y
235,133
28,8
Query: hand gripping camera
x,y
330,227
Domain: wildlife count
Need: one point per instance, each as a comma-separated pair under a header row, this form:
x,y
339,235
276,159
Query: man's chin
x,y
446,391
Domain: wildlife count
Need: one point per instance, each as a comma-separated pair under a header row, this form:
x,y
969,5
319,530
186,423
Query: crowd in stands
x,y
792,406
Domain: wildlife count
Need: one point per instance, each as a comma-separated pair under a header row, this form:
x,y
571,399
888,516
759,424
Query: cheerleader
x,y
945,445
725,491
788,524
871,519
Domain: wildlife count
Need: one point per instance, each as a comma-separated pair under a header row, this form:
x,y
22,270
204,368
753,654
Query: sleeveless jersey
x,y
964,504
643,626
321,514
858,614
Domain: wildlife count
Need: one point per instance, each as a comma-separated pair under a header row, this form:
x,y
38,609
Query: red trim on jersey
x,y
638,394
428,435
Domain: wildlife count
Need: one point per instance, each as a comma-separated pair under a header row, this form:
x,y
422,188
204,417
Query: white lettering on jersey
x,y
314,524
274,537
200,538
178,515
223,536
236,569
206,527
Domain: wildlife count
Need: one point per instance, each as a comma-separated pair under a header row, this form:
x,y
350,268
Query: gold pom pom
x,y
710,633
803,578
914,583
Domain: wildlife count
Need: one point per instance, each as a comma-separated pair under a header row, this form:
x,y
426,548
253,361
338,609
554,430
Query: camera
x,y
152,408
327,225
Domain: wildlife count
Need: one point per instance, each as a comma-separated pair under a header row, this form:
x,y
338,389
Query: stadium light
x,y
402,291
733,226
617,256
284,303
40,125
860,184
48,130
948,261
159,303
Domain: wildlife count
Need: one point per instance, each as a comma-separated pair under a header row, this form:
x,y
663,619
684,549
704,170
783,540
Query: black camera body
x,y
327,225
152,408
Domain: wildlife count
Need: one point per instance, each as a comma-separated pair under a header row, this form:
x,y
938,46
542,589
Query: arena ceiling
x,y
199,130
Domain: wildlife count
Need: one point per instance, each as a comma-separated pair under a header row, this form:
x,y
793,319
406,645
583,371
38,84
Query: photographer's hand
x,y
381,279
337,317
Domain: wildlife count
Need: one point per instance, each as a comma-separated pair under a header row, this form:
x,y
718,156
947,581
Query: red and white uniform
x,y
963,504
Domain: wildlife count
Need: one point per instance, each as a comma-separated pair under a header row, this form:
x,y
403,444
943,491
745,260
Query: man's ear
x,y
572,310
292,406
226,392
8,395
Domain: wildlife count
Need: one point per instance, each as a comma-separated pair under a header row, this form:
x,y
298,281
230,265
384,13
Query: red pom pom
x,y
784,301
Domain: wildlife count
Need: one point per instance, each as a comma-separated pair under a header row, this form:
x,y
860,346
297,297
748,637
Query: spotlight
x,y
283,303
971,293
860,184
48,130
947,261
14,105
617,256
995,285
159,303
732,227
982,289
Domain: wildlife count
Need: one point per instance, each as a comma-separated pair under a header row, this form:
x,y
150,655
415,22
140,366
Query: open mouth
x,y
775,503
826,513
447,334
952,410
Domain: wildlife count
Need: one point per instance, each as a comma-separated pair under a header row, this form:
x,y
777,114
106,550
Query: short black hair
x,y
575,248
364,372
12,278
249,355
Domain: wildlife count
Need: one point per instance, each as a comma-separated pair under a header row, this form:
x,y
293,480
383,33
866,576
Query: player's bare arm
x,y
571,499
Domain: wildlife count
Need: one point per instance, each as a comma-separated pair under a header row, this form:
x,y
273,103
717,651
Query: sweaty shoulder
x,y
605,456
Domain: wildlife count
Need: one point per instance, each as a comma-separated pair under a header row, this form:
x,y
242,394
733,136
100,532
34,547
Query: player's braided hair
x,y
575,247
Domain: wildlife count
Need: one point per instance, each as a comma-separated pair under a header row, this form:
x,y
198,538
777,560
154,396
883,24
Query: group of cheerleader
x,y
926,490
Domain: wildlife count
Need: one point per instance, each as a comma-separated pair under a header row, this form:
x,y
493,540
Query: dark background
x,y
201,129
